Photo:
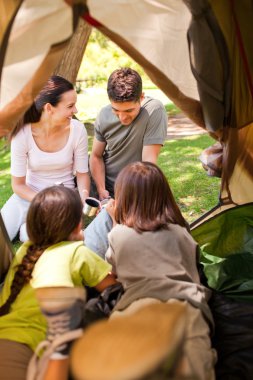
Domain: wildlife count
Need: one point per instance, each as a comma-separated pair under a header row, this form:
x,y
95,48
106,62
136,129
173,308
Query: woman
x,y
48,148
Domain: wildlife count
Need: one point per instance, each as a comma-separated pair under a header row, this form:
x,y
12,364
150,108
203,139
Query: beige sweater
x,y
160,264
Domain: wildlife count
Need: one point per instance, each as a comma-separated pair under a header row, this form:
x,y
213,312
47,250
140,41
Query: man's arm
x,y
156,131
150,152
97,167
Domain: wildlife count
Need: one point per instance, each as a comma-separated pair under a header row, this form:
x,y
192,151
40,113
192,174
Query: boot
x,y
63,309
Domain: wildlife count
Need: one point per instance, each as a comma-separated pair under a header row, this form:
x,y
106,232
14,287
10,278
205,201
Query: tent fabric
x,y
212,75
226,243
218,64
8,11
51,23
191,107
226,237
219,208
154,33
235,20
157,29
38,38
157,41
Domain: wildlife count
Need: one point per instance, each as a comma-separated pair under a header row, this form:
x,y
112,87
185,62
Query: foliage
x,y
101,57
5,172
171,109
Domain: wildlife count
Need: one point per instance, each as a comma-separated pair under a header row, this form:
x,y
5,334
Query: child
x,y
54,257
155,257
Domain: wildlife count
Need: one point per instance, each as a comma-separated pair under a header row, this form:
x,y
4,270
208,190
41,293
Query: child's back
x,y
155,259
158,264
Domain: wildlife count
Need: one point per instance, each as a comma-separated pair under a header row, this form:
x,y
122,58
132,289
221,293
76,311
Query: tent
x,y
199,52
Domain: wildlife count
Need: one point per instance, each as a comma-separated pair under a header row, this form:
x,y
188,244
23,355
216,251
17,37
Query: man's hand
x,y
103,194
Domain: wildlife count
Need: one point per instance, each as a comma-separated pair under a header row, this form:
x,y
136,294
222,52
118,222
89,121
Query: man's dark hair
x,y
124,85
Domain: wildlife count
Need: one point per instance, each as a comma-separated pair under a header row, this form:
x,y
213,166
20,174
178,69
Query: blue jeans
x,y
95,235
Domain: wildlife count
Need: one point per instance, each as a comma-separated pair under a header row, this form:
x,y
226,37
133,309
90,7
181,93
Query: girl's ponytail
x,y
22,275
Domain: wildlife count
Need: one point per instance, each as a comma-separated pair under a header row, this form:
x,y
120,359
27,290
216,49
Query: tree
x,y
73,55
101,57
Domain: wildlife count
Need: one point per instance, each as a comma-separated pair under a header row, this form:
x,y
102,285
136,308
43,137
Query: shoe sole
x,y
55,299
130,347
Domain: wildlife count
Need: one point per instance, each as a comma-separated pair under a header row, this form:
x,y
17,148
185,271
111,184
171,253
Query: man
x,y
131,128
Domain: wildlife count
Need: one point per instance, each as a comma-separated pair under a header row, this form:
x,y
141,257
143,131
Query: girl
x,y
47,148
155,258
54,257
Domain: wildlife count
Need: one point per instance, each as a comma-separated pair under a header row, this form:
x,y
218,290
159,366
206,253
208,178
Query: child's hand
x,y
110,208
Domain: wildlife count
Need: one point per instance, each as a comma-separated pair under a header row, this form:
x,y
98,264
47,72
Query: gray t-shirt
x,y
125,142
160,264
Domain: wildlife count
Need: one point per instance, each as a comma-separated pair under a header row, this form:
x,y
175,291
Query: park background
x,y
194,191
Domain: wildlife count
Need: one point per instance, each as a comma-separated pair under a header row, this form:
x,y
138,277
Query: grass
x,y
171,109
194,191
4,172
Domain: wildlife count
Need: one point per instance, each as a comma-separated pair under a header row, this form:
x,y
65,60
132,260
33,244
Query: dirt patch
x,y
179,126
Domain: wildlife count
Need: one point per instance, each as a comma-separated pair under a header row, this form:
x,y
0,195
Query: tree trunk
x,y
68,67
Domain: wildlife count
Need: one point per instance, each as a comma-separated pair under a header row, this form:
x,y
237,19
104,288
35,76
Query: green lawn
x,y
194,191
5,187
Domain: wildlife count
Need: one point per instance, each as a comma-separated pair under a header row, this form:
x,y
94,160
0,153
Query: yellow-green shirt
x,y
63,264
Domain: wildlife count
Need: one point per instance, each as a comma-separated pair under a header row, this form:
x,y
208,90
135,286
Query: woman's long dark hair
x,y
144,200
50,93
53,215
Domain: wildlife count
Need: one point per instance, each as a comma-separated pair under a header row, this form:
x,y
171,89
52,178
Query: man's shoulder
x,y
105,110
106,116
152,103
